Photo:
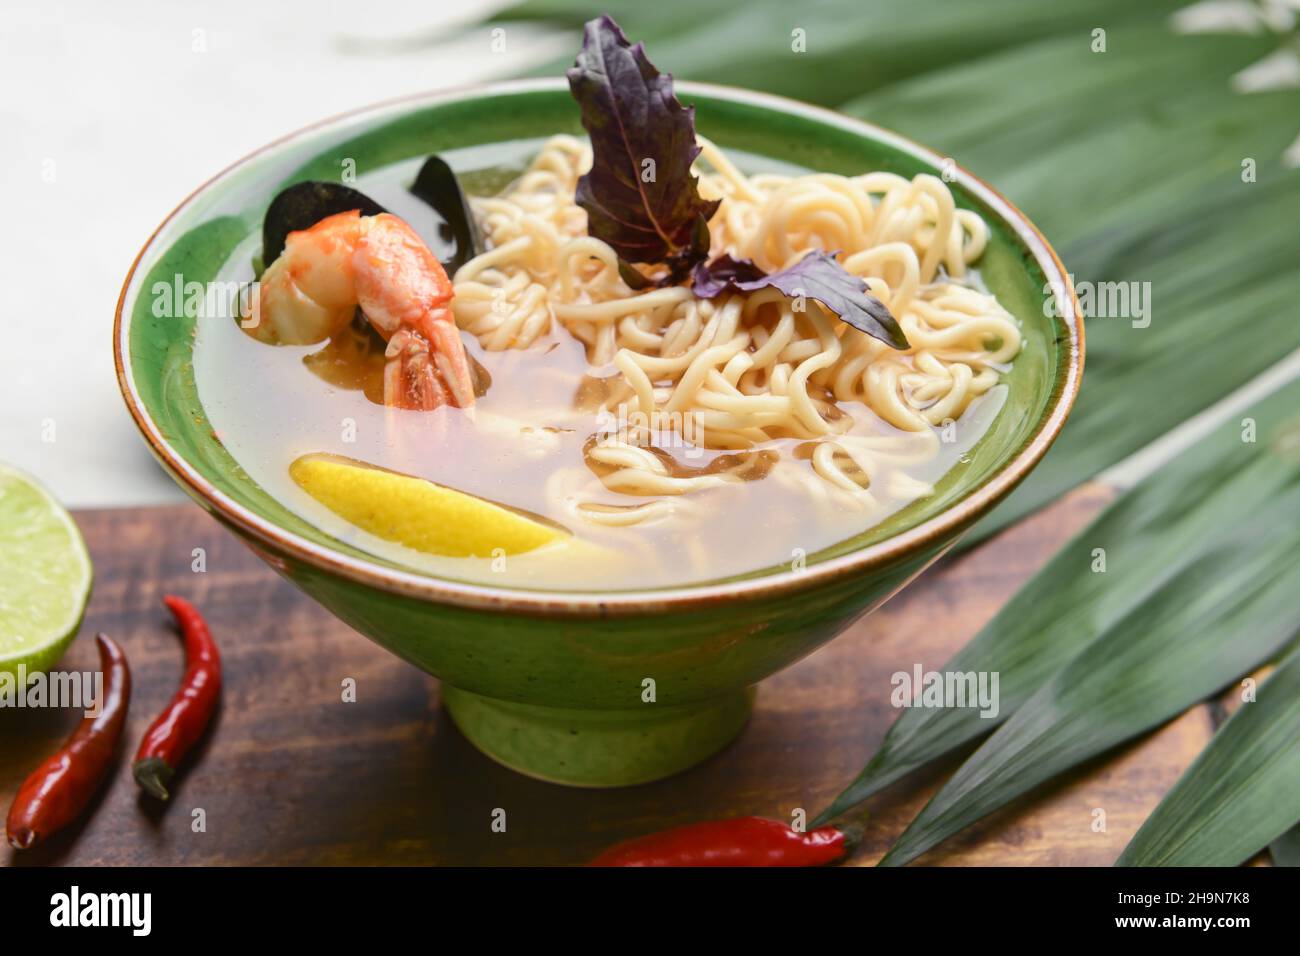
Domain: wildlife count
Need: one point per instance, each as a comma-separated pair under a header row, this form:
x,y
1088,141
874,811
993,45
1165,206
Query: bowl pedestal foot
x,y
598,748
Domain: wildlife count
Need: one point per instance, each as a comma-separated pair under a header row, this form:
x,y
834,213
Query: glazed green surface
x,y
592,748
601,663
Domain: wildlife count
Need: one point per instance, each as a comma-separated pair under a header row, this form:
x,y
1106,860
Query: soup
x,y
683,416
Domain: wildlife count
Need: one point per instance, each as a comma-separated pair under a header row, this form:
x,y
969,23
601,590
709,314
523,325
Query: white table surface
x,y
112,113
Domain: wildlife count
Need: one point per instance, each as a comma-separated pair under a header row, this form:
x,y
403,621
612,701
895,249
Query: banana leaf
x,y
1167,206
1222,316
1199,537
1242,791
852,46
1221,607
1285,850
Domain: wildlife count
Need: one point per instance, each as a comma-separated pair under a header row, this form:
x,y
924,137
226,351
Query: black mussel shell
x,y
302,205
437,185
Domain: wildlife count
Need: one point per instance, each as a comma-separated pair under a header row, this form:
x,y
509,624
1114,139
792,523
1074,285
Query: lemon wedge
x,y
418,513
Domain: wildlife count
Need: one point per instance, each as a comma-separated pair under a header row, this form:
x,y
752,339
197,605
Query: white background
x,y
109,117
112,113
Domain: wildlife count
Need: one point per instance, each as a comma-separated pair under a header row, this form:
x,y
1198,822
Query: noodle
x,y
741,370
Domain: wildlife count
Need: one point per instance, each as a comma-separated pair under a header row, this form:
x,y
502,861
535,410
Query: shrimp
x,y
382,265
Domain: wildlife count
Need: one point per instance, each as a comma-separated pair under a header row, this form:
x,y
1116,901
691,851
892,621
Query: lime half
x,y
45,575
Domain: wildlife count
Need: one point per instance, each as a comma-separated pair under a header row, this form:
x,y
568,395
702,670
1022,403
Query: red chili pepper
x,y
745,841
174,731
56,793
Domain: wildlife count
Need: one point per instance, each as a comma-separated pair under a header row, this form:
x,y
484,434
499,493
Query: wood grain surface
x,y
293,775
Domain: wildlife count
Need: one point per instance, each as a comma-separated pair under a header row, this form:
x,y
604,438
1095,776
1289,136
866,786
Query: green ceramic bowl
x,y
555,684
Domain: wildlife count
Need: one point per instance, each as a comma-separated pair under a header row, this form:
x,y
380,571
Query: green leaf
x,y
1150,193
1242,791
850,46
1209,336
992,114
1183,553
1218,609
1285,850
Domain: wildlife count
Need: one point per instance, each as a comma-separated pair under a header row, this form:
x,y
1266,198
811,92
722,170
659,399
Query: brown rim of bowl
x,y
412,584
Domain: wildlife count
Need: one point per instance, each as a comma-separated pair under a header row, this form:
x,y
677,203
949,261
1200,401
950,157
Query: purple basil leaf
x,y
710,281
639,131
816,276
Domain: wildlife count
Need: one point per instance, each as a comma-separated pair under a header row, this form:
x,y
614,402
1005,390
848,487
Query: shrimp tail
x,y
427,367
453,364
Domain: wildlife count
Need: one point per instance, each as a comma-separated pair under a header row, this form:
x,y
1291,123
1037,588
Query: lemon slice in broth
x,y
418,513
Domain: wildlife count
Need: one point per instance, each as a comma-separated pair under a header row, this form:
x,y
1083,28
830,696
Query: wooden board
x,y
292,774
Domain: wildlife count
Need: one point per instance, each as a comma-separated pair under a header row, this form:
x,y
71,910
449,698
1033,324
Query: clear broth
x,y
523,442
